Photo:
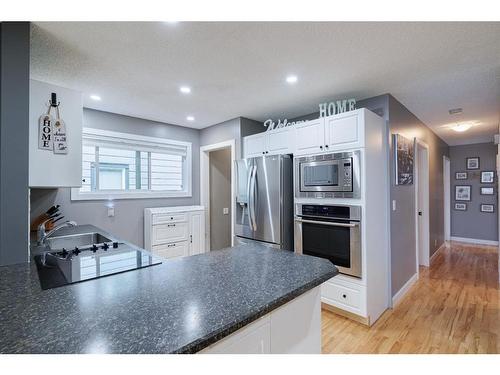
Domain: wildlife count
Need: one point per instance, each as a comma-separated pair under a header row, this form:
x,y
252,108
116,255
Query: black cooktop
x,y
67,267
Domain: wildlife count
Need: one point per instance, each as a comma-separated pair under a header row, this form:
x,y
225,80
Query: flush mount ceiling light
x,y
190,118
185,89
291,79
95,97
455,111
461,127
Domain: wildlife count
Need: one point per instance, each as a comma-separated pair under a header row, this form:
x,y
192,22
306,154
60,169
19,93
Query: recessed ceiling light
x,y
461,127
95,97
185,89
190,118
291,79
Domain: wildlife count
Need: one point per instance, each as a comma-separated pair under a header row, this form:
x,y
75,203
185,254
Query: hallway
x,y
453,308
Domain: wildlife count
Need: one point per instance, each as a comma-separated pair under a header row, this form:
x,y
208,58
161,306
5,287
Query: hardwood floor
x,y
453,308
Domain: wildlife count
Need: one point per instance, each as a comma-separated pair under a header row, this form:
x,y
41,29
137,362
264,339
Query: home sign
x,y
325,109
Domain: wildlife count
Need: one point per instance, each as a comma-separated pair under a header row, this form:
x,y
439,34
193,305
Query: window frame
x,y
130,139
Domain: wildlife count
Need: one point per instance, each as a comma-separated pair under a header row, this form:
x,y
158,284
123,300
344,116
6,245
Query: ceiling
x,y
239,69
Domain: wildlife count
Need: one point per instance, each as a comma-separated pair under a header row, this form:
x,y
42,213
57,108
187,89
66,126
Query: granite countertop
x,y
180,306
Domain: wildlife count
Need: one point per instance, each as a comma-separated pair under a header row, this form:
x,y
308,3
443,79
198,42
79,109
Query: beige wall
x,y
220,198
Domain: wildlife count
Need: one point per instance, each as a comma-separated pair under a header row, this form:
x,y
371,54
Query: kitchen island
x,y
183,305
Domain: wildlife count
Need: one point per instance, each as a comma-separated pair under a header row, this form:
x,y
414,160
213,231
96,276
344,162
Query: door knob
x,y
419,213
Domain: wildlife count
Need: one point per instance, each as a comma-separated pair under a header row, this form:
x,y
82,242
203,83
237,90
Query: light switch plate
x,y
111,211
225,211
394,205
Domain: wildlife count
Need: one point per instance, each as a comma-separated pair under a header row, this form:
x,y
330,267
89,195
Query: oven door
x,y
337,241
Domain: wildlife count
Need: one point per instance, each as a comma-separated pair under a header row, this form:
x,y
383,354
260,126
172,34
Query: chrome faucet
x,y
42,235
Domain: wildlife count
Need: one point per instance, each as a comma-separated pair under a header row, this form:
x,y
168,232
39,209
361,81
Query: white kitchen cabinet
x,y
274,142
46,169
254,145
172,232
344,131
294,328
310,137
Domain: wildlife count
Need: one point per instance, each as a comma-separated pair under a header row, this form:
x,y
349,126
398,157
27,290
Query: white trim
x,y
433,257
404,289
474,241
144,141
447,198
426,219
205,184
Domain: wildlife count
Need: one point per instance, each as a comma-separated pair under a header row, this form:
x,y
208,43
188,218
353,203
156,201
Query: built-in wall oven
x,y
332,232
335,175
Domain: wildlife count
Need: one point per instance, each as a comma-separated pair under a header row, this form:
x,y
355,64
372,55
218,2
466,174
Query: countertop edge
x,y
218,335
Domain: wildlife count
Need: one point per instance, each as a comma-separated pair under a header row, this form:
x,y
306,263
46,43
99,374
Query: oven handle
x,y
348,225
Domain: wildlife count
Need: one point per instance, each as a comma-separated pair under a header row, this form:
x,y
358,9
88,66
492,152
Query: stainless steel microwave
x,y
335,175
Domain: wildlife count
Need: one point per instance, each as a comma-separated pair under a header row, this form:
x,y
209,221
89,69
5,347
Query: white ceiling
x,y
239,69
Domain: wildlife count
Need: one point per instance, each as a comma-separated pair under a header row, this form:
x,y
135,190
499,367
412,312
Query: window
x,y
121,165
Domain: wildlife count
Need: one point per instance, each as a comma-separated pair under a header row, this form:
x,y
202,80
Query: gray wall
x,y
473,223
129,213
14,136
220,198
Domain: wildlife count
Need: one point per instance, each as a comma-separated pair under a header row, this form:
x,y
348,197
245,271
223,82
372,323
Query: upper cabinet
x,y
311,136
274,142
46,168
344,131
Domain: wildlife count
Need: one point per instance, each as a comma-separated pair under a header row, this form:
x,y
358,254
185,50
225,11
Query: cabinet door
x,y
281,141
343,132
310,137
170,232
254,145
197,233
171,250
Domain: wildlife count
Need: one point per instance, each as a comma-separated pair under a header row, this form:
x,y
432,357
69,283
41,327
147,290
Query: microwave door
x,y
266,198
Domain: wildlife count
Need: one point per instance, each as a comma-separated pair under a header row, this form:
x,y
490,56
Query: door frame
x,y
424,259
447,197
205,184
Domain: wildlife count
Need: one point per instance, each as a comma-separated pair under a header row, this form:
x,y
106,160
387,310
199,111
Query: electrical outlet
x,y
225,211
111,211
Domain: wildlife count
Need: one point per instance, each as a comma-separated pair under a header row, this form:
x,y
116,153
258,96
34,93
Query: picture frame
x,y
404,150
463,193
460,206
487,190
472,162
489,208
461,176
487,177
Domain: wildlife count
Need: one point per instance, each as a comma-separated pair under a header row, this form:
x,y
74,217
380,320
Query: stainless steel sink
x,y
75,240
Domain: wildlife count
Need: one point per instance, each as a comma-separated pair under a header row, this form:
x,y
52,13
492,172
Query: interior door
x,y
266,199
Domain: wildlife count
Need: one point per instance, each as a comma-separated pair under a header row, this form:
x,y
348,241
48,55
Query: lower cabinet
x,y
172,232
345,295
294,328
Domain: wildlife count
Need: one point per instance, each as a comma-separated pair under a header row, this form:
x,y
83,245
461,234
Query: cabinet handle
x,y
326,146
321,147
170,225
344,296
191,238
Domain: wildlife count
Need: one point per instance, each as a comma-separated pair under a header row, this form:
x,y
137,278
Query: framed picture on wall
x,y
461,206
487,208
487,177
460,175
462,192
404,150
487,191
472,163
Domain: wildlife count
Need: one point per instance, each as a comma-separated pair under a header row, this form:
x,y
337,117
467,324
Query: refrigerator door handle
x,y
249,184
251,199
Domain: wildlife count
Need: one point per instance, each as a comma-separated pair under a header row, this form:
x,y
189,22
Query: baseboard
x,y
474,240
433,256
402,292
346,314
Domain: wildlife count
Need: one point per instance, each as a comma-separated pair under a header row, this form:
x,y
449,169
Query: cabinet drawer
x,y
170,232
169,218
344,295
171,250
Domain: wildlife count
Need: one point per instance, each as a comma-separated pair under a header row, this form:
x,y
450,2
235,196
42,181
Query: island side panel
x,y
294,328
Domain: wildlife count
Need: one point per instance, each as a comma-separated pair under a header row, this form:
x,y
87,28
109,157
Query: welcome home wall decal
x,y
325,109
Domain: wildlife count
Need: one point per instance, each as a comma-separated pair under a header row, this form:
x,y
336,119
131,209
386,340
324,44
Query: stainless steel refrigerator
x,y
264,201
